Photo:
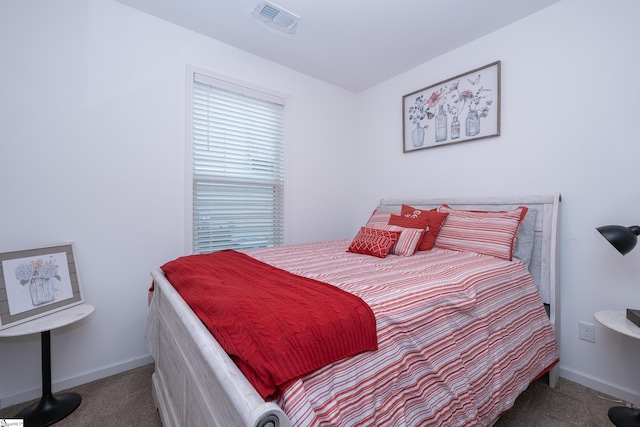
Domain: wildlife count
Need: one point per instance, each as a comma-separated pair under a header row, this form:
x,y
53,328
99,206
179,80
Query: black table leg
x,y
622,416
50,409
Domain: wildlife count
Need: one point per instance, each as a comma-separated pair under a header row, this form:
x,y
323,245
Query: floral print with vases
x,y
453,110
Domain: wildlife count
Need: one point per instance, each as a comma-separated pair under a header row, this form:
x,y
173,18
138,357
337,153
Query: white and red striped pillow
x,y
379,217
408,241
483,232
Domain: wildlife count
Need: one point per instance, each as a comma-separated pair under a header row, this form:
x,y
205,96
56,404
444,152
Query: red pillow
x,y
406,221
371,241
431,218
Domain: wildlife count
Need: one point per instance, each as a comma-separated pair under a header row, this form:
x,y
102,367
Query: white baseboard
x,y
600,385
35,393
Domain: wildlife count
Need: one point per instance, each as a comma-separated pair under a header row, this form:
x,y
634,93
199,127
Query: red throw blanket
x,y
276,326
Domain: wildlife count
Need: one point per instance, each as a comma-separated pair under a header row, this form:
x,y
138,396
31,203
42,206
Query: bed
x,y
196,383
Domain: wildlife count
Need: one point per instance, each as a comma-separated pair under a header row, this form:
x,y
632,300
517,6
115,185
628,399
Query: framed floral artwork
x,y
459,109
37,282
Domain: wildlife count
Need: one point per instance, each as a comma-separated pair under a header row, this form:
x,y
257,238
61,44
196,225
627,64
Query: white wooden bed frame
x,y
196,384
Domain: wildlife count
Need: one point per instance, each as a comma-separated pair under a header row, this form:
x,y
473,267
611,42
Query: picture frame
x,y
460,109
37,282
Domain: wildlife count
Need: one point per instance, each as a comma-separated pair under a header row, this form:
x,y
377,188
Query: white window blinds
x,y
238,167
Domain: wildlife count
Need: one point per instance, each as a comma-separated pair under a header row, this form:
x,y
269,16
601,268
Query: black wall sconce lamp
x,y
624,239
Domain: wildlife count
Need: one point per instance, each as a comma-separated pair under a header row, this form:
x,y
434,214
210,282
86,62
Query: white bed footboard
x,y
195,383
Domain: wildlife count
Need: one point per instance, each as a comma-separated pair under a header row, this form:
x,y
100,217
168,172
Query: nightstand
x,y
621,416
51,408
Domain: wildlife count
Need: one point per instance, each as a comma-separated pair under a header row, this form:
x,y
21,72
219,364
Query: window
x,y
237,140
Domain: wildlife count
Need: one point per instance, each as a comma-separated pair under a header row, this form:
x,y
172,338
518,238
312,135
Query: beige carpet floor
x,y
567,405
125,400
120,400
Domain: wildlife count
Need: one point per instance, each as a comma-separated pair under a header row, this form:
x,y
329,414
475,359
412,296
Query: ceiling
x,y
353,44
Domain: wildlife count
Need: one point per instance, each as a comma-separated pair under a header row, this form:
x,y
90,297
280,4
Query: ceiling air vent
x,y
276,17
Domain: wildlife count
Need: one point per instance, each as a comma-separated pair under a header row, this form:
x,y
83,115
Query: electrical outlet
x,y
587,331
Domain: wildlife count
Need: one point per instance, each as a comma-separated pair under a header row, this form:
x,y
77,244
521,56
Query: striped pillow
x,y
483,232
408,241
379,217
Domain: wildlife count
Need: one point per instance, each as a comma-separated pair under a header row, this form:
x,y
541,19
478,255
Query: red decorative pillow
x,y
483,232
431,218
371,241
402,220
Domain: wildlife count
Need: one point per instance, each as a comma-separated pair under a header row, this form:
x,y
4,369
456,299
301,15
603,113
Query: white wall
x,y
570,108
92,137
92,96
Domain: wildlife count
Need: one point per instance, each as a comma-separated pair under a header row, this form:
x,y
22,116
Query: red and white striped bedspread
x,y
460,336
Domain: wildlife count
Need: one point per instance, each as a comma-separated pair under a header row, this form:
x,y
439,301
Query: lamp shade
x,y
622,238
